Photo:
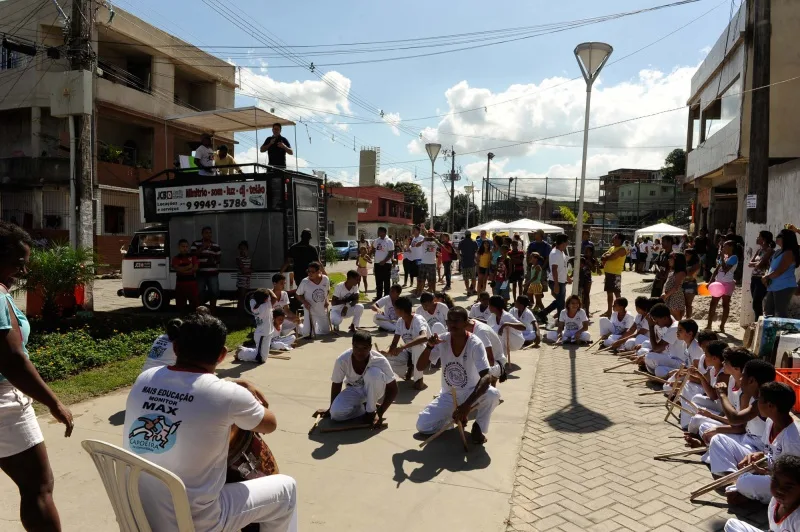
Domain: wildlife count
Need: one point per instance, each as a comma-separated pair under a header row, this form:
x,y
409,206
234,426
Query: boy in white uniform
x,y
619,325
285,342
640,335
413,329
480,310
434,314
385,314
345,302
371,386
524,315
667,352
781,436
572,324
733,362
161,353
782,513
465,368
507,327
494,348
189,436
279,289
261,305
313,293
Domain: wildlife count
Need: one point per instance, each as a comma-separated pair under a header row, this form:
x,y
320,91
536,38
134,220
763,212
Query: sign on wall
x,y
211,197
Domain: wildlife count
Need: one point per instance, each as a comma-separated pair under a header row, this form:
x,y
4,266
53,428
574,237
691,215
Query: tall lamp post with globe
x,y
433,152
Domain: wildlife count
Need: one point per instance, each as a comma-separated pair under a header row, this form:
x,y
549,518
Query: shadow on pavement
x,y
576,417
118,419
332,440
443,454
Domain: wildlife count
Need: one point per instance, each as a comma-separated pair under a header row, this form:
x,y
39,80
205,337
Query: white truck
x,y
267,207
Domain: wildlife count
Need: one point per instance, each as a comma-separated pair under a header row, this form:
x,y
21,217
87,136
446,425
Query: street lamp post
x,y
469,189
433,152
509,210
592,57
489,157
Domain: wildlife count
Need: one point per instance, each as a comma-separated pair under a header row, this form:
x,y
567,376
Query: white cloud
x,y
393,119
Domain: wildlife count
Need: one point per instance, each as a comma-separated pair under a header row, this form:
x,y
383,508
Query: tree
x,y
570,216
415,196
335,184
460,204
674,164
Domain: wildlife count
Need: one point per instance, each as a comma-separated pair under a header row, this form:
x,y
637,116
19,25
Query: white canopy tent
x,y
659,230
526,225
491,227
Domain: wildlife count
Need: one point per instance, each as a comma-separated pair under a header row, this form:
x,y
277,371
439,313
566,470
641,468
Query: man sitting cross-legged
x,y
345,302
385,314
190,437
371,386
465,367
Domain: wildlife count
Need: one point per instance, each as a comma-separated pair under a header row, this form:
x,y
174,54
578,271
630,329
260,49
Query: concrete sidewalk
x,y
349,481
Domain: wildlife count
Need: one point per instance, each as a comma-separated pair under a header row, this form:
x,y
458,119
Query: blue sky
x,y
654,79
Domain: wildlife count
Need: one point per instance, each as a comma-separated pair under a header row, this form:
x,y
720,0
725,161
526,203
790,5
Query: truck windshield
x,y
152,244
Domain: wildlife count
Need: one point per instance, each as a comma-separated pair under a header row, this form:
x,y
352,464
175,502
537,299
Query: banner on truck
x,y
212,197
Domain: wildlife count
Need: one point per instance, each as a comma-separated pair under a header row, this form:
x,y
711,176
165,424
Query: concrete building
x,y
144,76
718,132
343,212
611,182
387,208
639,204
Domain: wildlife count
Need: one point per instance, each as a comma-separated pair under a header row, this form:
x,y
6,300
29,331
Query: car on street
x,y
346,249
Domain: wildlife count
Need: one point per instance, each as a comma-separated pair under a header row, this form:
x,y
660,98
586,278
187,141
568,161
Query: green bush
x,y
60,354
56,271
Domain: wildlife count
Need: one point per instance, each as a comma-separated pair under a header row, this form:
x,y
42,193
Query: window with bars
x,y
351,229
331,229
9,59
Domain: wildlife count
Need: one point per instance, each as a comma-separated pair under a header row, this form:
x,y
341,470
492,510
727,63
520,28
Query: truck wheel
x,y
153,298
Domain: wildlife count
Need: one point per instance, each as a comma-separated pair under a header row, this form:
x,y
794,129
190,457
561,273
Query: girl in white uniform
x,y
284,342
385,314
345,302
782,513
413,330
733,362
23,456
507,327
641,333
669,352
619,325
434,314
524,315
261,305
314,293
573,324
161,352
279,289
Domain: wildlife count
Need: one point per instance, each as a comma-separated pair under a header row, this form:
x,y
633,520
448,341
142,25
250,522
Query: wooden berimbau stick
x,y
677,395
442,430
458,421
596,343
726,480
359,426
508,357
606,370
685,452
650,377
679,407
318,417
279,357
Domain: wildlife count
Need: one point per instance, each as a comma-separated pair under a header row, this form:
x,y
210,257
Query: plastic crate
x,y
788,376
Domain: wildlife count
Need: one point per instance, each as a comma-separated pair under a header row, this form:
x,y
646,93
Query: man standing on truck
x,y
208,255
300,255
204,157
277,147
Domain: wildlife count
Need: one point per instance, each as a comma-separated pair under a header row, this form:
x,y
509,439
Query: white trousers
x,y
282,343
440,411
320,319
660,364
584,336
350,402
399,363
734,525
754,487
727,450
691,392
528,336
354,312
384,323
438,328
705,426
640,339
249,354
270,501
515,342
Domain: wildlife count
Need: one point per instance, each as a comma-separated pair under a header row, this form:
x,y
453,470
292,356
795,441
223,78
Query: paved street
x,y
568,450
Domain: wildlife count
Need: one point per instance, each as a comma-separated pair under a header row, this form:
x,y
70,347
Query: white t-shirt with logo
x,y
504,318
263,316
476,312
181,421
526,319
383,248
489,339
460,372
428,251
786,441
439,314
283,301
343,369
574,324
161,354
315,294
677,348
622,326
416,251
385,304
341,291
205,156
417,328
557,258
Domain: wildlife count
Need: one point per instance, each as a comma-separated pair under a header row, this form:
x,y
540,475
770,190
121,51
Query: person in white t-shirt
x,y
523,314
557,278
465,369
179,418
204,157
427,250
666,351
507,327
279,289
620,324
345,302
261,304
435,314
413,330
313,293
494,349
480,310
371,386
572,324
385,314
161,353
383,250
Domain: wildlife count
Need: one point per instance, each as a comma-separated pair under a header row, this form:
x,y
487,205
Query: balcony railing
x,y
35,170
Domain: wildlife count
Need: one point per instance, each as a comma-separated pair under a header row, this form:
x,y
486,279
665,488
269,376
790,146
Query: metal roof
x,y
231,120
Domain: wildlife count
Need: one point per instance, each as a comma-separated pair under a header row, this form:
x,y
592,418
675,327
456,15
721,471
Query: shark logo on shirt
x,y
154,435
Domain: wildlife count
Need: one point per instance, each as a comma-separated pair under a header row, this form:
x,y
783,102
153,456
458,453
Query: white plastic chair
x,y
120,471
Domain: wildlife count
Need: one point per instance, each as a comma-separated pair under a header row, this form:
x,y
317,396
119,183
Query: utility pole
x,y
758,166
453,190
83,58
